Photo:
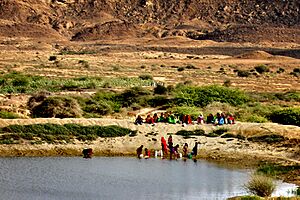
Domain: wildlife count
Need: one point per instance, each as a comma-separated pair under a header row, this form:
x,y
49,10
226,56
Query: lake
x,y
123,178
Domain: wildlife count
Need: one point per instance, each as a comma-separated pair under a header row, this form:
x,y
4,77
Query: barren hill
x,y
220,20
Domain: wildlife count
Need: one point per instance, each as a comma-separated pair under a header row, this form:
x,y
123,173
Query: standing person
x,y
195,149
185,149
139,151
170,141
163,145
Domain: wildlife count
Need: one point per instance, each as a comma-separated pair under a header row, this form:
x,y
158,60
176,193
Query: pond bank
x,y
226,151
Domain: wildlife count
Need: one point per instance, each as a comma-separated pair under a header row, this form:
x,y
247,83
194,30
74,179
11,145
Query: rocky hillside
x,y
220,20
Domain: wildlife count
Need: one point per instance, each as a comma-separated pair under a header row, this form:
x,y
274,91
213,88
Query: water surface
x,y
118,178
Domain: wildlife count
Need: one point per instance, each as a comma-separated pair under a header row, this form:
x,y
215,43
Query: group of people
x,y
167,148
167,117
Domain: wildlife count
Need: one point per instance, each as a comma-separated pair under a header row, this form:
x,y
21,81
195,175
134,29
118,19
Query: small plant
x,y
260,185
289,116
262,69
180,69
8,115
243,73
280,70
296,70
227,83
52,58
190,66
146,77
160,89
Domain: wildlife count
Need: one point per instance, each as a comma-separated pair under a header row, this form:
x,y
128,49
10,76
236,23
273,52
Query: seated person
x,y
161,118
172,119
200,119
149,120
155,118
230,119
139,120
220,119
210,119
188,119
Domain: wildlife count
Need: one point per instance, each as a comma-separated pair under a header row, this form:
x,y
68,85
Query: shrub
x,y
190,66
99,107
160,89
227,83
280,70
296,70
260,185
262,69
243,73
202,96
158,101
8,115
186,110
133,95
290,116
53,132
52,58
180,69
61,107
146,77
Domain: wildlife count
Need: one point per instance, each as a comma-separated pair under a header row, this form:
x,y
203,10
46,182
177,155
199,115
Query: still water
x,y
118,178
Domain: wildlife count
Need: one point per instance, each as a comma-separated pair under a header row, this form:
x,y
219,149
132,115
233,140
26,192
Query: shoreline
x,y
225,151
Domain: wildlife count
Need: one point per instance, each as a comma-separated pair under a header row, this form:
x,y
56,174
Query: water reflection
x,y
117,178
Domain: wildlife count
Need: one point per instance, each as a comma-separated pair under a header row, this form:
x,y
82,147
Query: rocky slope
x,y
220,20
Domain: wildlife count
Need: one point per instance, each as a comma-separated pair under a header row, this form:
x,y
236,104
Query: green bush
x,y
159,101
260,185
202,96
243,73
101,108
57,106
160,89
133,95
289,116
186,110
262,69
180,69
146,77
52,58
8,115
52,133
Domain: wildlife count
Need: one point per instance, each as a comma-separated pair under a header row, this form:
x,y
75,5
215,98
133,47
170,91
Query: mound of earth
x,y
255,55
220,20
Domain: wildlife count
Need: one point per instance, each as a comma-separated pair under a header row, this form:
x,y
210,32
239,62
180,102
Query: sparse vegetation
x,y
289,116
262,69
54,133
260,185
8,115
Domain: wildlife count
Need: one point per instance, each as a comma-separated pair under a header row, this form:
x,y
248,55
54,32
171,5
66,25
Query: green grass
x,y
53,133
16,82
8,115
276,170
